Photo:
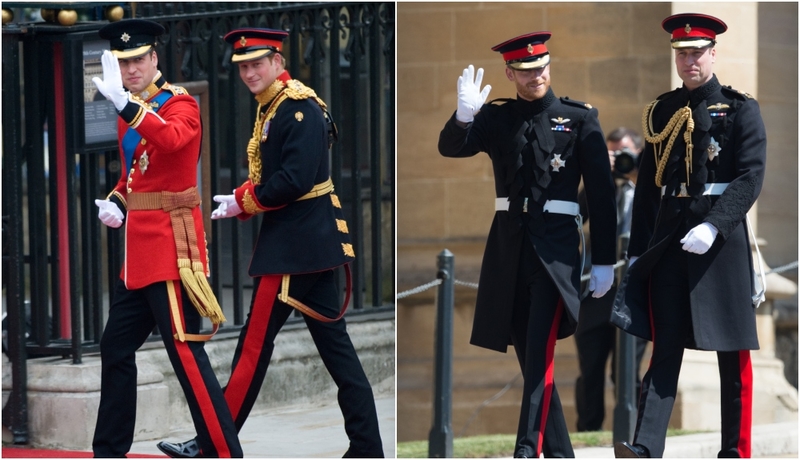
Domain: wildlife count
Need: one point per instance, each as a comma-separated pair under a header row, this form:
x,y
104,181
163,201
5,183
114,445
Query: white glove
x,y
700,238
228,207
631,260
111,84
600,280
470,97
109,213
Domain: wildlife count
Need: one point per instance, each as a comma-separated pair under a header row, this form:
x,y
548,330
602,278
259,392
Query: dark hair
x,y
621,132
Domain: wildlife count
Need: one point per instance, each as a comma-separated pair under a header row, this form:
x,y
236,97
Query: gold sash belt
x,y
179,205
320,189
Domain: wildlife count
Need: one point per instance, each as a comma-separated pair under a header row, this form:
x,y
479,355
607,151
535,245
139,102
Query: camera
x,y
625,161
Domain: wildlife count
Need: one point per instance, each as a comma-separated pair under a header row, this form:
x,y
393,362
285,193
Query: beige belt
x,y
179,205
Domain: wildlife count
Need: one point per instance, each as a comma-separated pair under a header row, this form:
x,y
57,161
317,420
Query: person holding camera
x,y
595,337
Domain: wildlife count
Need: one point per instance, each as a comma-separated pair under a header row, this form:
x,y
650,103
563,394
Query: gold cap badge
x,y
243,41
530,48
687,29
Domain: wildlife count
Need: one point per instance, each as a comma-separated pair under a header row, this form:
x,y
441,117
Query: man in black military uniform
x,y
540,146
690,282
595,337
303,238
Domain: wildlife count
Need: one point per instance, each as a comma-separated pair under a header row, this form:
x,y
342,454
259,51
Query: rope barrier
x,y
621,262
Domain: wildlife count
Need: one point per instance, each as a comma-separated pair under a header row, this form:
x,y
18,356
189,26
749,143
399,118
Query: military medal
x,y
713,149
144,161
265,131
560,124
557,162
715,110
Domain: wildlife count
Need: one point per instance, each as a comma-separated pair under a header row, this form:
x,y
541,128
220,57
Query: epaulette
x,y
736,93
568,101
175,90
296,90
500,100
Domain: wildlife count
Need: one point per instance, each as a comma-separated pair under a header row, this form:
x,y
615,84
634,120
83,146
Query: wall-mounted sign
x,y
100,116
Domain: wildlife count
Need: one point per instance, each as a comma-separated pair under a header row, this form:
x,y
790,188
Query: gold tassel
x,y
212,306
198,291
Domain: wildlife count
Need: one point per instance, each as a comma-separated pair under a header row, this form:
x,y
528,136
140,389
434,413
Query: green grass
x,y
502,445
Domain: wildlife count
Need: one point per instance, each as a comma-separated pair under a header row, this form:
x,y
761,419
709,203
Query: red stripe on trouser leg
x,y
210,417
242,376
548,375
746,378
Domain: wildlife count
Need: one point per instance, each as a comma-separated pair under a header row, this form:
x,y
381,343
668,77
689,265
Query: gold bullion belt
x,y
179,205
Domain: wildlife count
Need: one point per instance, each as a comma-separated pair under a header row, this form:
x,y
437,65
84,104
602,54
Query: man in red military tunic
x,y
303,238
163,280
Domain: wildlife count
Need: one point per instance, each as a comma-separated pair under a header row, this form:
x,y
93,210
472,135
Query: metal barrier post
x,y
440,440
624,388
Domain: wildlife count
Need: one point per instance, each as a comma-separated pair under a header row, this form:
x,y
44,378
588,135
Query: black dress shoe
x,y
625,450
188,449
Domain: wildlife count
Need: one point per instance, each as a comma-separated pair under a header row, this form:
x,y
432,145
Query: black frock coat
x,y
550,127
721,280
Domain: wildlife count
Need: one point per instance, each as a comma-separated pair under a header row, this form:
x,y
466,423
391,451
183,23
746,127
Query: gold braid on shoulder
x,y
683,115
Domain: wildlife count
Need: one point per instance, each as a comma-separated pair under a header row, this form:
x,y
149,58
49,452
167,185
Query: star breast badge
x,y
557,162
125,37
144,161
713,149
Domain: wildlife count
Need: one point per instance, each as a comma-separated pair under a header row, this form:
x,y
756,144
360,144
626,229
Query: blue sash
x,y
131,138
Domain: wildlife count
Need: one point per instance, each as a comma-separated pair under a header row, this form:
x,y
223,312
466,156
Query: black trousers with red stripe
x,y
257,342
537,314
131,319
672,325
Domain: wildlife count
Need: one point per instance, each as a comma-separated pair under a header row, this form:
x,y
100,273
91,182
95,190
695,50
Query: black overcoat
x,y
721,280
552,128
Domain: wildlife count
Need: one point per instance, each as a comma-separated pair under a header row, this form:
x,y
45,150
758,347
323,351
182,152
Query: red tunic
x,y
165,159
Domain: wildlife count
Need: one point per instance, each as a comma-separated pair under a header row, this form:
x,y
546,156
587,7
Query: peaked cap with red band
x,y
526,51
692,30
250,43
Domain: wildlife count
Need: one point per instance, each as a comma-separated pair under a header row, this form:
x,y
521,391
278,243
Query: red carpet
x,y
24,452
